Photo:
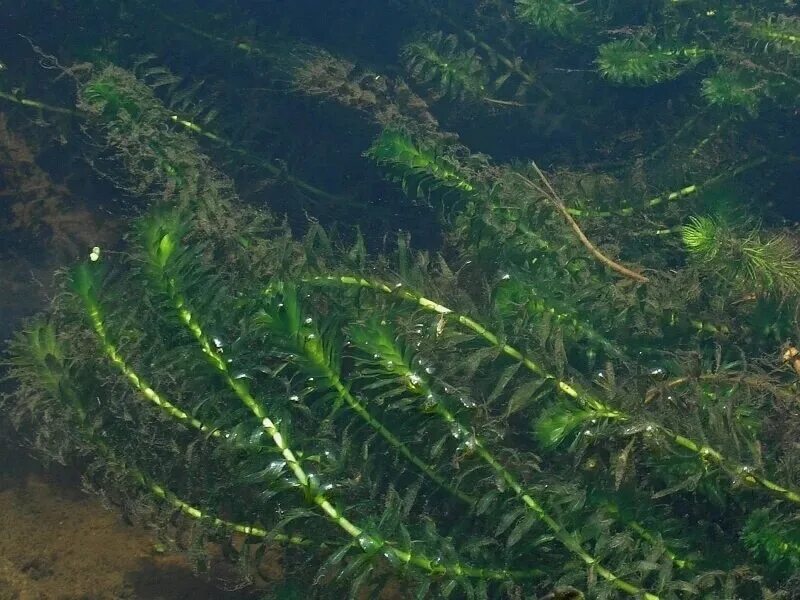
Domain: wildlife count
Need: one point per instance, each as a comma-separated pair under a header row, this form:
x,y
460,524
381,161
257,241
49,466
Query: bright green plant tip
x,y
644,62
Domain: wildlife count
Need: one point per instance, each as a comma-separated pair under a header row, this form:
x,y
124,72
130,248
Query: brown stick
x,y
551,194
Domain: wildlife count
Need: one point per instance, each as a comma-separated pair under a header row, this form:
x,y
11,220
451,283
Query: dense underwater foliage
x,y
576,376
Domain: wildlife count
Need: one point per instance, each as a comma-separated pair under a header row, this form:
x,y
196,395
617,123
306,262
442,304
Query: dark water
x,y
697,118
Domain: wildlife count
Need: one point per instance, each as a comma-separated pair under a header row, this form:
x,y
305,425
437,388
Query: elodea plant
x,y
382,419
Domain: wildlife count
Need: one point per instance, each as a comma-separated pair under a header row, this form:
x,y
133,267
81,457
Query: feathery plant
x,y
559,17
356,412
420,168
643,61
436,61
776,32
746,76
513,419
745,259
477,73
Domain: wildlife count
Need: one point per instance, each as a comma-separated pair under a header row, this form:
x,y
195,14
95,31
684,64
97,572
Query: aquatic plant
x,y
593,386
642,61
436,60
388,417
420,168
553,16
744,259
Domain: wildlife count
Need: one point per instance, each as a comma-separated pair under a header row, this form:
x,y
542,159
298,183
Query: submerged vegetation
x,y
448,317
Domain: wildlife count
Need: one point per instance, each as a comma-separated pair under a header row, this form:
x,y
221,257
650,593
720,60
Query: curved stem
x,y
555,199
701,450
421,387
366,541
316,356
108,347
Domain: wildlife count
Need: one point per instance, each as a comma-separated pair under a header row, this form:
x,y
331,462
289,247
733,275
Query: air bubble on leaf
x,y
391,556
308,320
294,398
311,336
389,364
369,544
430,370
467,446
467,401
458,431
505,276
414,379
217,342
277,466
376,356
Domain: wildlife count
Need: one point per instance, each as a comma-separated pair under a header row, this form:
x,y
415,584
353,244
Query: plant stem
x,y
701,450
364,539
554,198
419,386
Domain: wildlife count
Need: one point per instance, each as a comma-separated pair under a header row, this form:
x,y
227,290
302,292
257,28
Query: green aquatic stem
x,y
395,148
30,103
84,282
409,295
231,147
684,192
360,536
549,192
559,17
647,536
632,61
782,31
419,386
162,248
46,358
202,132
314,351
703,451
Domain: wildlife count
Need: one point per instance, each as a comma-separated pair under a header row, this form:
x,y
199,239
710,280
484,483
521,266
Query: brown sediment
x,y
60,543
